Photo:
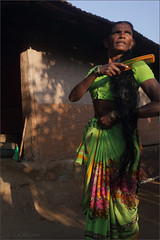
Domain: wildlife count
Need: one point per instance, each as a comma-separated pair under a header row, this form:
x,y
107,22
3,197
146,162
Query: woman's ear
x,y
132,43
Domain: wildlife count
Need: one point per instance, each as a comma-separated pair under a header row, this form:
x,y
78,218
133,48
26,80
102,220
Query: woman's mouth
x,y
120,42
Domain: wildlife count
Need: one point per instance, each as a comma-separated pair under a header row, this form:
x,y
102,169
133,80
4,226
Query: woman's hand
x,y
107,120
111,69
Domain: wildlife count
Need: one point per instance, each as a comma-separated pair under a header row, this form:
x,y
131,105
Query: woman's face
x,y
121,38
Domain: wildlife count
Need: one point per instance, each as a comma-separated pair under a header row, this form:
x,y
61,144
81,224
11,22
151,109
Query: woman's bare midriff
x,y
102,107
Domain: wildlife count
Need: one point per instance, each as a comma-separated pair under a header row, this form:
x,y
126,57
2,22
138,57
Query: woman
x,y
110,148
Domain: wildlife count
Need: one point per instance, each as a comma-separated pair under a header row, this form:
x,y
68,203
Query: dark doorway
x,y
11,103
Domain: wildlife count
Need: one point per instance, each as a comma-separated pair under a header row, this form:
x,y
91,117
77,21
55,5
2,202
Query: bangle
x,y
113,115
97,72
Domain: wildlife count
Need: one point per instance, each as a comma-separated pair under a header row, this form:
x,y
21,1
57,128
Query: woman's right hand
x,y
112,69
109,69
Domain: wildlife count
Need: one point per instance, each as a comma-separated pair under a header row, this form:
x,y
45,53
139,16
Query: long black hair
x,y
126,101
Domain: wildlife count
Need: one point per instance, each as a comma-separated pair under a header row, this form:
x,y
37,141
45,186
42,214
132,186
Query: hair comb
x,y
149,58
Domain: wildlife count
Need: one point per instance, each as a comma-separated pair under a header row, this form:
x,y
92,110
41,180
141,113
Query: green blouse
x,y
100,88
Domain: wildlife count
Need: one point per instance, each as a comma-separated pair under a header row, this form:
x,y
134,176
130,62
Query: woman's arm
x,y
109,69
80,89
152,89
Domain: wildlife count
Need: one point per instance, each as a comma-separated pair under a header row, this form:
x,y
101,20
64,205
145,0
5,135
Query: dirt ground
x,y
47,206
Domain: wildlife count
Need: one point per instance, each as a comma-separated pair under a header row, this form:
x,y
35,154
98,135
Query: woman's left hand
x,y
106,121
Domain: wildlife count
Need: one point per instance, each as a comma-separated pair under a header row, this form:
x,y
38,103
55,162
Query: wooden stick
x,y
23,135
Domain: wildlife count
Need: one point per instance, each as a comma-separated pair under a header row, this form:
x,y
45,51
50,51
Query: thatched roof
x,y
68,22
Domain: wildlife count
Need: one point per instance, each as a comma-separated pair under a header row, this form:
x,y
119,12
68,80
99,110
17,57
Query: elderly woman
x,y
110,148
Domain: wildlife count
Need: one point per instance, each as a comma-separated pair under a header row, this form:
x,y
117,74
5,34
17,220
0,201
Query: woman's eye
x,y
128,32
116,32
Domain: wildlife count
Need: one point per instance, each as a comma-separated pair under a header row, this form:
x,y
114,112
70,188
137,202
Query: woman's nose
x,y
122,35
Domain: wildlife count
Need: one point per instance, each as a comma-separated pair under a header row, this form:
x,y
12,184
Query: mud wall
x,y
54,125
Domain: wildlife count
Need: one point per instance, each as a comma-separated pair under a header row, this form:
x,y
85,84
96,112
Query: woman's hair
x,y
126,100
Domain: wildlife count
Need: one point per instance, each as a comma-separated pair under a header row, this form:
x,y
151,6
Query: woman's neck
x,y
114,58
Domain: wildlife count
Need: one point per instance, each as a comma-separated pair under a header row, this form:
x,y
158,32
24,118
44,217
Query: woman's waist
x,y
103,107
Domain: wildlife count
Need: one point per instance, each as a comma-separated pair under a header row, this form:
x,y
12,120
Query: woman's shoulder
x,y
142,71
139,64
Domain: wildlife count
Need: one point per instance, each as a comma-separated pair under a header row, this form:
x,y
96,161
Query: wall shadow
x,y
40,209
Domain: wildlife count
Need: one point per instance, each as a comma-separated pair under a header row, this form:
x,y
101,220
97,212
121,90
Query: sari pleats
x,y
110,208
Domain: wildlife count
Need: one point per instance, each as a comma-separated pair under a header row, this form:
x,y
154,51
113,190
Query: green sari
x,y
110,208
